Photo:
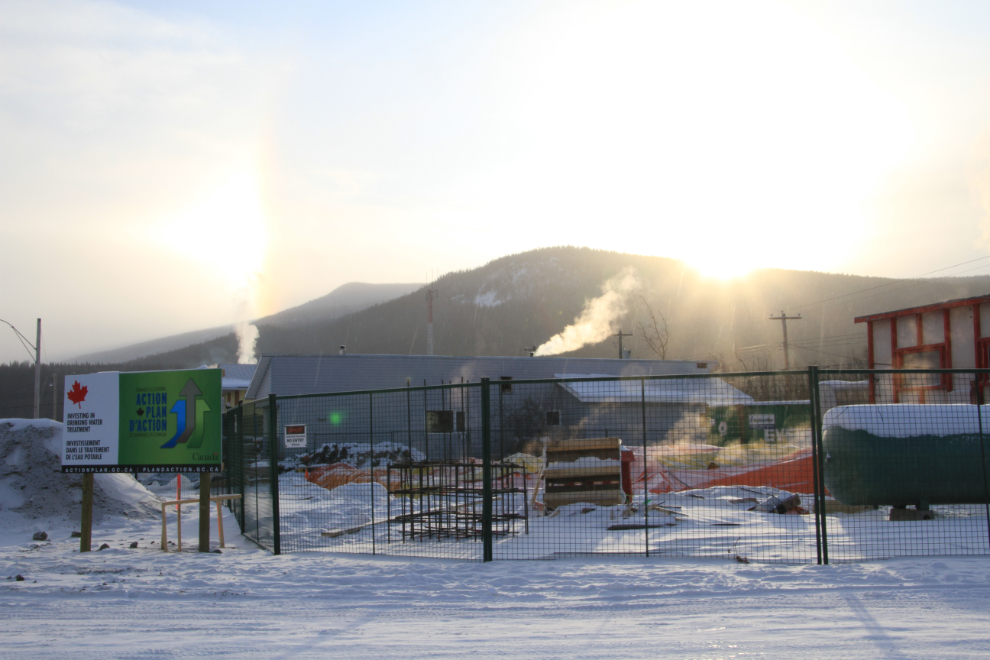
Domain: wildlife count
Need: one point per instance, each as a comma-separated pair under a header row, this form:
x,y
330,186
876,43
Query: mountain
x,y
523,300
345,299
153,346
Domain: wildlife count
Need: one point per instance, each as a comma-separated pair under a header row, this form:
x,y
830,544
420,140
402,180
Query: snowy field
x,y
246,603
703,523
124,602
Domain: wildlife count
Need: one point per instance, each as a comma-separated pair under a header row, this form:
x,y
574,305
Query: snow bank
x,y
901,420
31,482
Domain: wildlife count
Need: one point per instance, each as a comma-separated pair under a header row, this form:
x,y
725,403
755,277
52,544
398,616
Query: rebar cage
x,y
789,467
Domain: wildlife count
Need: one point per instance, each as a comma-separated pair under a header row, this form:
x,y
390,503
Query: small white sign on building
x,y
295,436
762,421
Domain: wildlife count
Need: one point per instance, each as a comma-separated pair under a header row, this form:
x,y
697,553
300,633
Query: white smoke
x,y
594,323
247,339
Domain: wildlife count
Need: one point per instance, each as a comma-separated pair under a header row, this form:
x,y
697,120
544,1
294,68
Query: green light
x,y
335,418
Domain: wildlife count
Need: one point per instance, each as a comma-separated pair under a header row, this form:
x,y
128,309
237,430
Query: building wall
x,y
961,353
518,420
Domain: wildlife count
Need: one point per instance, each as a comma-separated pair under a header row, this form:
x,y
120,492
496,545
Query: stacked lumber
x,y
587,471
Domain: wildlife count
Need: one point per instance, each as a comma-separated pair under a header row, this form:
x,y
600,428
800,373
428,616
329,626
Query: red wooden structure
x,y
946,335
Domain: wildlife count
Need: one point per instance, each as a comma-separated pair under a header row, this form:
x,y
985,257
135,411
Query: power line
x,y
898,285
900,281
25,342
808,348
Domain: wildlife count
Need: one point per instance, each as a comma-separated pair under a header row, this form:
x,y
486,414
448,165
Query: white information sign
x,y
91,419
762,422
295,436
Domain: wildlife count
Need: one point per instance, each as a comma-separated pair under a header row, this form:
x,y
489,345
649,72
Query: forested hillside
x,y
521,301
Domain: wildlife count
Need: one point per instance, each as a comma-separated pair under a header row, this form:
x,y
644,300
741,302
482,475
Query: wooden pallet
x,y
566,482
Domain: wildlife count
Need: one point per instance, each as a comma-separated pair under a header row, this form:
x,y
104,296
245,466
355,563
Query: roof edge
x,y
923,309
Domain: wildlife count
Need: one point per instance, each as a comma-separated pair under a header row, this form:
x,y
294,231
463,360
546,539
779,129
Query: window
x,y
505,387
925,360
553,418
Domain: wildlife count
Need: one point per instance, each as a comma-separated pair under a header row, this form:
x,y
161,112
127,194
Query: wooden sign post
x,y
86,533
204,511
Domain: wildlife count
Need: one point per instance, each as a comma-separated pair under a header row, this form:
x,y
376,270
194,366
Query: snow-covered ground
x,y
711,522
246,603
140,602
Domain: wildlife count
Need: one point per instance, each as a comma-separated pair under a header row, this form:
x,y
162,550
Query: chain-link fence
x,y
905,463
790,467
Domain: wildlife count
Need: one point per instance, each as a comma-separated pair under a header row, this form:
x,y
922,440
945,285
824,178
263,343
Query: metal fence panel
x,y
905,470
790,467
671,466
396,472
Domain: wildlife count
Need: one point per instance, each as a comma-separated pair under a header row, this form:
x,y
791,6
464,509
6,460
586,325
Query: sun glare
x,y
226,230
734,139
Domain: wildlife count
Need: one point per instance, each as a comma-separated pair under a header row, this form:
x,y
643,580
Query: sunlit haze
x,y
167,167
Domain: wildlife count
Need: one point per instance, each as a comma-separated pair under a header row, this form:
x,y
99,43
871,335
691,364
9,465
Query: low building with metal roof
x,y
287,375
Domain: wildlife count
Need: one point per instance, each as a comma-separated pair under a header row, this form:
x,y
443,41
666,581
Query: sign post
x,y
153,421
204,512
86,525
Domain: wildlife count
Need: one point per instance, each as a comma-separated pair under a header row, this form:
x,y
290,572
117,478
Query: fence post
x,y
820,464
371,445
983,452
646,477
486,470
239,452
273,470
812,416
409,420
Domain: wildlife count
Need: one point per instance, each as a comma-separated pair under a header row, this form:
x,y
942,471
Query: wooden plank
x,y
584,444
603,497
215,498
177,503
577,454
556,473
340,532
570,487
164,531
620,527
220,524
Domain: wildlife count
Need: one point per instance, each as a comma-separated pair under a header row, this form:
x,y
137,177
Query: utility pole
x,y
37,362
37,374
54,396
620,335
784,318
430,295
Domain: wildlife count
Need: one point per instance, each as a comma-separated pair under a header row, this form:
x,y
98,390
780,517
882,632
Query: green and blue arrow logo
x,y
190,412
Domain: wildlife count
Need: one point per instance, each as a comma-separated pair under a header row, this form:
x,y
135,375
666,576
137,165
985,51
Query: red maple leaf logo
x,y
77,394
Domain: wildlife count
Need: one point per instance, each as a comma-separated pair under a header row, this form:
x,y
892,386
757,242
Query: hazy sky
x,y
173,166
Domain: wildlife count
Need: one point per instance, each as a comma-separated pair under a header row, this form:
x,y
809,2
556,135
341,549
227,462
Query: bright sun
x,y
734,139
226,230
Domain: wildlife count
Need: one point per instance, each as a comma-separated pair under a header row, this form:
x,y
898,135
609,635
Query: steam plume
x,y
594,323
247,339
